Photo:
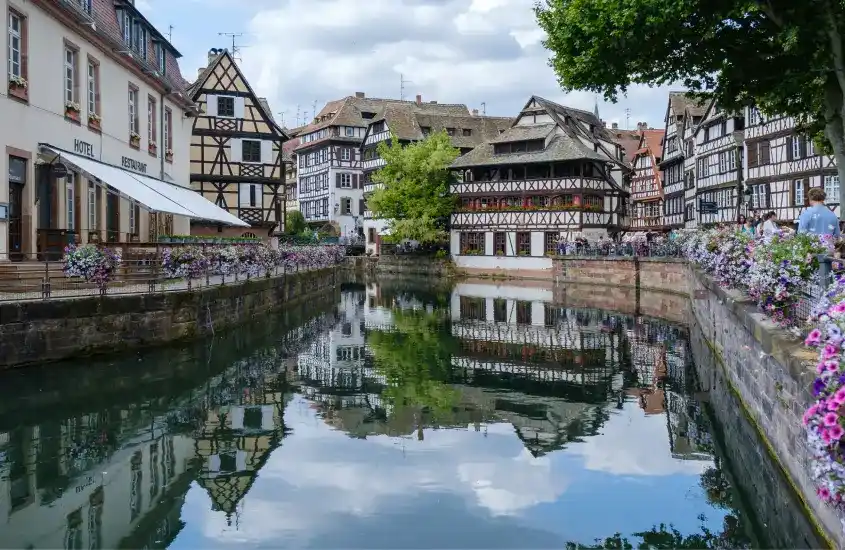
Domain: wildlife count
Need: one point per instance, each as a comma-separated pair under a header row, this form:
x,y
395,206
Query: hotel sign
x,y
84,148
134,165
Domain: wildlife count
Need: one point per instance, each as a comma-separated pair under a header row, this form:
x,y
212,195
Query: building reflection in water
x,y
388,361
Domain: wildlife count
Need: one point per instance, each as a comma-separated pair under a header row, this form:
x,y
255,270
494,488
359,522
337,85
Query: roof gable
x,y
223,75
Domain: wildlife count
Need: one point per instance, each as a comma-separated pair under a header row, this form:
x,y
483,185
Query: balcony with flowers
x,y
538,203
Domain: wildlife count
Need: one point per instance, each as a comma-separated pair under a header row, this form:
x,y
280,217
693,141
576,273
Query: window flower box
x,y
152,148
72,111
18,87
94,121
135,140
168,155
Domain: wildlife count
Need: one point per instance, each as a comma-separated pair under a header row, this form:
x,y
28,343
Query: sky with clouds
x,y
484,53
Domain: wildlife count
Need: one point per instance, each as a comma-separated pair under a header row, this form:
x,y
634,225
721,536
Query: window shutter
x,y
803,147
361,207
806,188
267,151
211,105
77,207
789,145
764,152
355,181
337,180
237,150
239,107
752,155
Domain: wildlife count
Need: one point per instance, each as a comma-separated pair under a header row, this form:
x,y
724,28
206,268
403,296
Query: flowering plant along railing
x,y
92,263
534,208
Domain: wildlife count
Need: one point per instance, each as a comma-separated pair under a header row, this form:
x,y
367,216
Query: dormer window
x,y
426,130
450,131
134,33
161,59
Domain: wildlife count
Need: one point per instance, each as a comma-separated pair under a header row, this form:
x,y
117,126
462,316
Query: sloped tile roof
x,y
561,148
524,133
683,101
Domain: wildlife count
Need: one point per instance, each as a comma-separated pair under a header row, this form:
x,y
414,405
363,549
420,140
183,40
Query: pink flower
x,y
832,405
824,493
831,418
829,351
839,396
826,437
813,338
839,308
836,432
831,366
809,413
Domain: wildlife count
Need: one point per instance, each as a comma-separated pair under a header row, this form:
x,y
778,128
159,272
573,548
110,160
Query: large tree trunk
x,y
834,99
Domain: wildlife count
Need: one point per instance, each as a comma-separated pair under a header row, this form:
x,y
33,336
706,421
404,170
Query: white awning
x,y
155,194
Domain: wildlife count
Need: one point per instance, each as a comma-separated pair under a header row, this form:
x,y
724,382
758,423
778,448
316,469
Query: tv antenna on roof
x,y
314,110
402,83
170,33
235,47
297,116
627,118
484,108
282,114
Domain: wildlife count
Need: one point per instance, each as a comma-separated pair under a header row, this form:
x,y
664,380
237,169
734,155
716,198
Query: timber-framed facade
x,y
409,122
646,186
781,165
683,113
236,149
555,175
718,165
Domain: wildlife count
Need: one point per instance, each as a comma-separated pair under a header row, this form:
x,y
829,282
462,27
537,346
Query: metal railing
x,y
44,280
811,292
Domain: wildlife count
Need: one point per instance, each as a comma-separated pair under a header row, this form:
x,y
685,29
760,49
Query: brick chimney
x,y
475,112
419,99
360,95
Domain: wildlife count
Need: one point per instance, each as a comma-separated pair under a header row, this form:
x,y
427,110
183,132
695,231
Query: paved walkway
x,y
65,288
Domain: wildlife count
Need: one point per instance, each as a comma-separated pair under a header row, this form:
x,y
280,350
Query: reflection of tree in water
x,y
415,360
667,537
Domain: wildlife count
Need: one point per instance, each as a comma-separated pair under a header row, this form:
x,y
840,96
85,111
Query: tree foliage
x,y
294,222
415,195
784,56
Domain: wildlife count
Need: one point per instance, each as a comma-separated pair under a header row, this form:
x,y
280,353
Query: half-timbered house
x,y
781,165
646,189
689,219
718,158
682,114
236,149
408,122
289,159
555,174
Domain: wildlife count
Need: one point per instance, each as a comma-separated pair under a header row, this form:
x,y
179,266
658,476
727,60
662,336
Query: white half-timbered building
x,y
646,188
556,173
689,206
412,121
718,153
682,112
782,165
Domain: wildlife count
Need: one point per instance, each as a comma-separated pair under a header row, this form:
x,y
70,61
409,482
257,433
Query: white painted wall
x,y
502,262
23,126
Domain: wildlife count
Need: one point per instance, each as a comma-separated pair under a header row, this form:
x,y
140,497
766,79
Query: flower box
x,y
168,155
94,122
18,87
152,148
135,141
72,111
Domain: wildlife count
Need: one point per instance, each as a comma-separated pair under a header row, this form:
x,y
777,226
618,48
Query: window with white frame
x,y
798,192
811,148
15,45
723,161
133,110
346,180
92,206
754,116
731,159
350,131
168,129
796,147
345,153
70,200
92,88
70,75
759,196
132,220
152,119
831,189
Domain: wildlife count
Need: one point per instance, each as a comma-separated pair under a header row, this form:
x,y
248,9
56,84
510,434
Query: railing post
x,y
825,271
45,284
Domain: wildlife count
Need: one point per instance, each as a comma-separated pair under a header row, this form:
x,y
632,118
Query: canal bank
x,y
34,332
769,369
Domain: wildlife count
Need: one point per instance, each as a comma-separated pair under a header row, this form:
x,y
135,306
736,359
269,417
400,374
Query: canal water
x,y
393,415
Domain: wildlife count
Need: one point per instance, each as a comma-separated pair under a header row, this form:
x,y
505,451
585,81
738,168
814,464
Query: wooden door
x,y
15,222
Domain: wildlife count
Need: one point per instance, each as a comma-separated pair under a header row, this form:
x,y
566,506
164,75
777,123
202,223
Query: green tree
x,y
415,195
786,57
294,222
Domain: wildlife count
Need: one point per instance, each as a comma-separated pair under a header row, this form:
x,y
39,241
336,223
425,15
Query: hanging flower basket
x,y
134,140
72,110
94,121
168,155
152,148
91,263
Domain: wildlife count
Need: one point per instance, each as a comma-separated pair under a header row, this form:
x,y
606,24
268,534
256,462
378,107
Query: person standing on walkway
x,y
745,225
818,219
769,225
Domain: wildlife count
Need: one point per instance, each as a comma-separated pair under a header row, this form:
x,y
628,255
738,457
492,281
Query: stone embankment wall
x,y
662,274
771,374
41,331
406,265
